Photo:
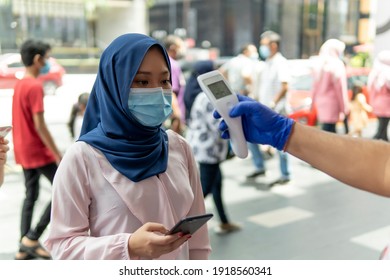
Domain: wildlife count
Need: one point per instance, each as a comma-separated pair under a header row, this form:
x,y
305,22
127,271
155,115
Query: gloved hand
x,y
261,125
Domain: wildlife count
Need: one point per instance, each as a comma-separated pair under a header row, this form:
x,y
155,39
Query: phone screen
x,y
190,225
4,130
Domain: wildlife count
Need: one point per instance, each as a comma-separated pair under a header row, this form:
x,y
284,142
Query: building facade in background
x,y
70,23
222,25
228,24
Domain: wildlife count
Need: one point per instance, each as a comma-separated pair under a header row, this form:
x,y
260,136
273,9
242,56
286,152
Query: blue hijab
x,y
136,151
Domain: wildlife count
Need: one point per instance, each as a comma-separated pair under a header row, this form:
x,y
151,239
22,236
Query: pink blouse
x,y
330,94
380,101
95,209
379,84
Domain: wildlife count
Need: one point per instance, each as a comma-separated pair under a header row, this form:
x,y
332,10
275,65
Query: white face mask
x,y
150,106
264,51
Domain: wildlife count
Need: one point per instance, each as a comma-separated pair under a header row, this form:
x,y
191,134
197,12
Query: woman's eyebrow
x,y
150,73
143,73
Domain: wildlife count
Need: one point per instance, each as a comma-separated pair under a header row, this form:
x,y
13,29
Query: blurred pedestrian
x,y
329,91
192,86
126,181
359,110
379,90
254,92
241,72
34,146
77,115
209,150
273,88
4,148
175,48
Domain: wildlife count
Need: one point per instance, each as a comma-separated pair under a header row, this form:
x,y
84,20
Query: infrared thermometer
x,y
223,98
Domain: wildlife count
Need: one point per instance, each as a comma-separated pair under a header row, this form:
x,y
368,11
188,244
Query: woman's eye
x,y
141,82
166,82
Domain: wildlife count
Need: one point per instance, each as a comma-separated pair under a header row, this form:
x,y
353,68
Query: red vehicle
x,y
299,98
299,101
12,69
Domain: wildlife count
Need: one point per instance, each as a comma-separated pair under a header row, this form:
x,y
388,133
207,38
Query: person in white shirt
x,y
274,86
241,72
238,70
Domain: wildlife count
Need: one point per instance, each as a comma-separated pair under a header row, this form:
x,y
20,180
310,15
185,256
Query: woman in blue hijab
x,y
126,181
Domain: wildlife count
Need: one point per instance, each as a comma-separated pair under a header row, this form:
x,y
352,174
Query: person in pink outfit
x,y
379,90
329,92
127,181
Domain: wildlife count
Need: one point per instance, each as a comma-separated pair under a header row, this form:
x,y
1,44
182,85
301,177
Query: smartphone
x,y
4,130
190,225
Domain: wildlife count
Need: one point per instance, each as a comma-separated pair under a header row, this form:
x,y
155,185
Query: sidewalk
x,y
11,199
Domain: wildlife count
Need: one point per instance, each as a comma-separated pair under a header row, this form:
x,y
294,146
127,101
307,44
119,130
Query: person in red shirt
x,y
34,146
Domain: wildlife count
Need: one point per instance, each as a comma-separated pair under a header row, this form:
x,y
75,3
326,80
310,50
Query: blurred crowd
x,y
334,101
259,71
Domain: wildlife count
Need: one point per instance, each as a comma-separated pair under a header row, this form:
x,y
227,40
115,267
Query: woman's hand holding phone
x,y
150,241
191,224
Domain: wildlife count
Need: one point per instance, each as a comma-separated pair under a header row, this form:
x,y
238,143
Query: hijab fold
x,y
136,151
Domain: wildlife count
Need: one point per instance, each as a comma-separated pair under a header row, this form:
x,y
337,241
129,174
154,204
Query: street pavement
x,y
314,217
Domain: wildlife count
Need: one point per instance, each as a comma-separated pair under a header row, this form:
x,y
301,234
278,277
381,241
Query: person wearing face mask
x,y
34,147
127,181
238,70
273,88
242,72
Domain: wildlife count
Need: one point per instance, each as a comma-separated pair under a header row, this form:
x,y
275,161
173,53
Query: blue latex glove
x,y
261,125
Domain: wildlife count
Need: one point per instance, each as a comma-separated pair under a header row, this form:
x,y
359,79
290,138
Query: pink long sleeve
x,y
95,209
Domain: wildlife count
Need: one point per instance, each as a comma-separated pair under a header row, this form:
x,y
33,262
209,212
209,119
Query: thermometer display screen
x,y
219,89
